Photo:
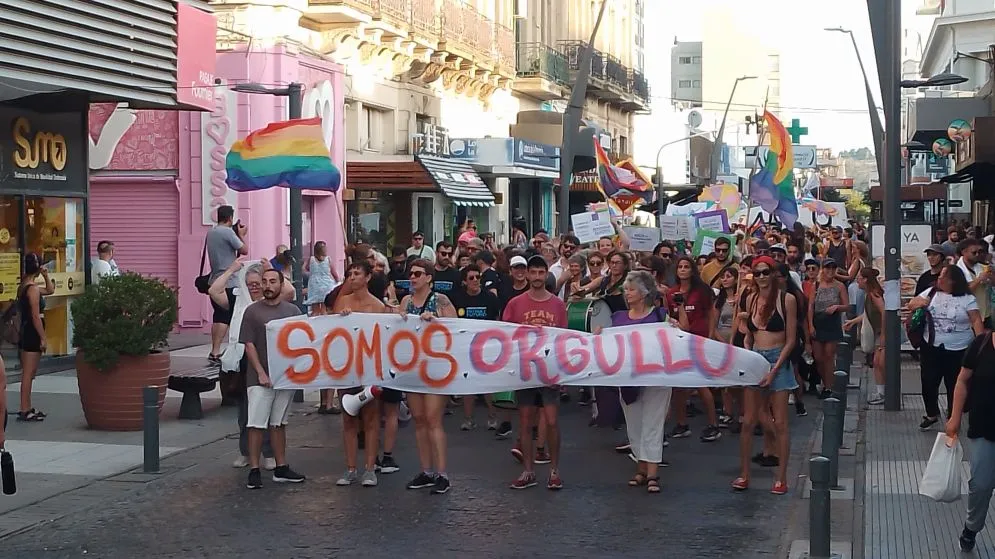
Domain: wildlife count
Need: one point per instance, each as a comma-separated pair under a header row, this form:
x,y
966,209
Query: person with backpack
x,y
31,307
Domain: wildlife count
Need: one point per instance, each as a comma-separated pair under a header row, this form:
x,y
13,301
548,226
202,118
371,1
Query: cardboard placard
x,y
713,220
704,243
642,239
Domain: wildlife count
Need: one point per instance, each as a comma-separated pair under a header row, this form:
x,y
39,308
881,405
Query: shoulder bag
x,y
203,281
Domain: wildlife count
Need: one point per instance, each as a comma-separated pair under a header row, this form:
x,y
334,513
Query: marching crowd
x,y
781,293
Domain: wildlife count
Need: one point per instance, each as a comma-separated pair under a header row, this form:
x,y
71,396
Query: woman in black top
x,y
974,393
33,342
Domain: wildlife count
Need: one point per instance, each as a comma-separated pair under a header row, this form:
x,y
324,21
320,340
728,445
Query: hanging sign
x,y
465,356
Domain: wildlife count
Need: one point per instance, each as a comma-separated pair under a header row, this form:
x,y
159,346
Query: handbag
x,y
941,481
10,322
920,329
203,281
866,336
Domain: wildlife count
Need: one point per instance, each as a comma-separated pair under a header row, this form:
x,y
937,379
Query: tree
x,y
857,205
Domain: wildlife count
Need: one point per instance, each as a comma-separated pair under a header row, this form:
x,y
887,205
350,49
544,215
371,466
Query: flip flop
x,y
741,484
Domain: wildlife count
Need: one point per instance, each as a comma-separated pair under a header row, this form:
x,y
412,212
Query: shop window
x,y
373,220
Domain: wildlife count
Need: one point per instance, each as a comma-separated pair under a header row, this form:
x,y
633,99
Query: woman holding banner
x,y
645,408
772,322
427,409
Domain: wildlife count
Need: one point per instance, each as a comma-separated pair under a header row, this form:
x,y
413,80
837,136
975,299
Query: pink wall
x,y
264,212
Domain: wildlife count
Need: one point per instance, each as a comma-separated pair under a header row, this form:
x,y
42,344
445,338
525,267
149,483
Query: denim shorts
x,y
784,379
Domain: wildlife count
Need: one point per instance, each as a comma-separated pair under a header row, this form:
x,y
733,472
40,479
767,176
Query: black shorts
x,y
222,315
391,396
538,397
30,339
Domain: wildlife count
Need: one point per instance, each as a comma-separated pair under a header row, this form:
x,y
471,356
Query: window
x,y
684,83
774,63
684,60
371,129
696,83
695,60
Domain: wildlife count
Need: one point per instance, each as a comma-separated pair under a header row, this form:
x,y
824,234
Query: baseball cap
x,y
937,248
518,261
828,263
780,247
811,261
538,261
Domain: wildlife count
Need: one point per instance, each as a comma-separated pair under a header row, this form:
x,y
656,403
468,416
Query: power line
x,y
755,107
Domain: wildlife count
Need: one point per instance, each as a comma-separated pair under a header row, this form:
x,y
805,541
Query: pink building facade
x,y
157,177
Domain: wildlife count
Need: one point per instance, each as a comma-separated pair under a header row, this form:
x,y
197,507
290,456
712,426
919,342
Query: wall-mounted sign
x,y
463,148
430,140
943,147
42,151
959,130
806,157
937,164
218,130
535,154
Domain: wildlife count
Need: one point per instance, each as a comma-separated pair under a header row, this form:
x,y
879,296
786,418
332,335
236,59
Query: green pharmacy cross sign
x,y
796,131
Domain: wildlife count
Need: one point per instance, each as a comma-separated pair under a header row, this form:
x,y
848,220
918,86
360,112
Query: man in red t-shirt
x,y
538,307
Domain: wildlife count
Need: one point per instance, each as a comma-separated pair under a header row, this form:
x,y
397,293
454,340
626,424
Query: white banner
x,y
464,356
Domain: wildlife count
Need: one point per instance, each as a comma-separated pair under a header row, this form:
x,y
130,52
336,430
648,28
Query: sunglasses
x,y
761,273
569,247
416,274
595,262
722,250
445,253
810,268
472,278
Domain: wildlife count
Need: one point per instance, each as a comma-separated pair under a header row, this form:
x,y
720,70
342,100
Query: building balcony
x,y
542,71
638,97
573,50
464,33
617,77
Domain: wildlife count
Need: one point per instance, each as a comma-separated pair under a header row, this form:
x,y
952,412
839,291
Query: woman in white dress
x,y
322,279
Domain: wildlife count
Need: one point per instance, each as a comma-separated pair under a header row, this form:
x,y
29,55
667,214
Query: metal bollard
x,y
840,382
150,426
832,437
818,507
844,353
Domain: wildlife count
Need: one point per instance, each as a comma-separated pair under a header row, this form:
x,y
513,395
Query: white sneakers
x,y
243,461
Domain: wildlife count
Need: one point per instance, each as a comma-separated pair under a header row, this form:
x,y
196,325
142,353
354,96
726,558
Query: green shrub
x,y
123,315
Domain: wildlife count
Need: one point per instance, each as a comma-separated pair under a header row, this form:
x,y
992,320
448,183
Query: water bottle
x,y
7,473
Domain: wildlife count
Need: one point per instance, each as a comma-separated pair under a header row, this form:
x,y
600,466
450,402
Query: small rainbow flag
x,y
291,154
773,187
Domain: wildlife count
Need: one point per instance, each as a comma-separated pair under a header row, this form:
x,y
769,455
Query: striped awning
x,y
458,181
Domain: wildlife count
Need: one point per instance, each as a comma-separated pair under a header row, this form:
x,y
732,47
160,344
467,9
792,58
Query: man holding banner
x,y
538,307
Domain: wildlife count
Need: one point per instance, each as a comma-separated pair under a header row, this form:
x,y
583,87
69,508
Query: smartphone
x,y
679,298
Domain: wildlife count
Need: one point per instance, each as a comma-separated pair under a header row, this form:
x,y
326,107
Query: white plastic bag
x,y
941,480
866,336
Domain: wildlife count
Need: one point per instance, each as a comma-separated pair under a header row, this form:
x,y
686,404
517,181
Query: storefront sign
x,y
219,129
196,31
466,356
66,283
10,275
463,148
431,140
536,155
937,164
42,151
806,157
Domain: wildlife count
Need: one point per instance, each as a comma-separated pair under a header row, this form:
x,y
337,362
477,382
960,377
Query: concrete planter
x,y
112,400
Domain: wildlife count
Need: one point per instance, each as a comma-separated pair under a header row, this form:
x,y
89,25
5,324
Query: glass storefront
x,y
373,219
53,228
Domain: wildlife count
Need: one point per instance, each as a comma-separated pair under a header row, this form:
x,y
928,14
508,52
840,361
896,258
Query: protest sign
x,y
643,239
465,356
704,243
674,227
714,220
591,226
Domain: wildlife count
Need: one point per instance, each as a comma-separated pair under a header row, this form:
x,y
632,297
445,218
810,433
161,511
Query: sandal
x,y
653,484
638,479
30,415
780,488
741,484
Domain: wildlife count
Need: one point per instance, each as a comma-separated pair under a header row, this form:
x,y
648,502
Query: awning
x,y
983,176
933,191
458,181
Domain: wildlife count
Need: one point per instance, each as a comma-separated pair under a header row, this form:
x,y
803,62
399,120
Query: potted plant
x,y
120,329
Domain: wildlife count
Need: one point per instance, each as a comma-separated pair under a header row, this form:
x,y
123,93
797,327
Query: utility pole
x,y
571,124
295,96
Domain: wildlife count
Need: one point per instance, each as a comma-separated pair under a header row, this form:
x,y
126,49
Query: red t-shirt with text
x,y
523,309
697,305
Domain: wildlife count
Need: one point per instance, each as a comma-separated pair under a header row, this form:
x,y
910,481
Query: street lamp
x,y
294,93
936,81
660,195
717,146
877,129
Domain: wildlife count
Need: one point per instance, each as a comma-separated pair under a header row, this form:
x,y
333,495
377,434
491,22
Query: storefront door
x,y
428,216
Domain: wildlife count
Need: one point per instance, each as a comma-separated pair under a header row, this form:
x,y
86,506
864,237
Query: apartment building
x,y
685,72
550,35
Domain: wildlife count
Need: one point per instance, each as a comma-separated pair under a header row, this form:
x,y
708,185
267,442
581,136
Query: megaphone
x,y
352,403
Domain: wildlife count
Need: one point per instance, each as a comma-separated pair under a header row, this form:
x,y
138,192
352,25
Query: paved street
x,y
205,511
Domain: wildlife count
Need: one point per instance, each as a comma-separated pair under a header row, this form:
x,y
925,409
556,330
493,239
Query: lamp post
x,y
877,129
294,94
717,146
660,202
936,81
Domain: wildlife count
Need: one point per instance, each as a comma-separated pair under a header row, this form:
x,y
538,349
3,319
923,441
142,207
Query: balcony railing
x,y
504,46
616,73
536,60
397,12
424,17
461,27
573,51
639,85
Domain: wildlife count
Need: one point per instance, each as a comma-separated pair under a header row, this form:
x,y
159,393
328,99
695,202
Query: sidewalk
x,y
61,453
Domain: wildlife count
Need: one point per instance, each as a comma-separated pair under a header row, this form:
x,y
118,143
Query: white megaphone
x,y
352,403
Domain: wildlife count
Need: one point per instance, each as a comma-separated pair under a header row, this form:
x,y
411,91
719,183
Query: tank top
x,y
826,297
726,315
873,316
837,253
429,306
611,294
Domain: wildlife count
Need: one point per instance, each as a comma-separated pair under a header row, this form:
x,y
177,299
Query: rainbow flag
x,y
291,154
773,187
624,183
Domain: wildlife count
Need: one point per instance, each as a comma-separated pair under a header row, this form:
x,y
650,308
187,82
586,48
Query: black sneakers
x,y
967,540
710,434
283,474
255,480
504,430
441,485
421,481
388,465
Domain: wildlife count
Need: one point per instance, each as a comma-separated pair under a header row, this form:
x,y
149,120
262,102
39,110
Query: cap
x,y
937,248
811,261
764,260
780,247
762,245
518,261
828,263
538,262
466,236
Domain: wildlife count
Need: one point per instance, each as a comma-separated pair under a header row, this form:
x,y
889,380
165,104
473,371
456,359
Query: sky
x,y
821,82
